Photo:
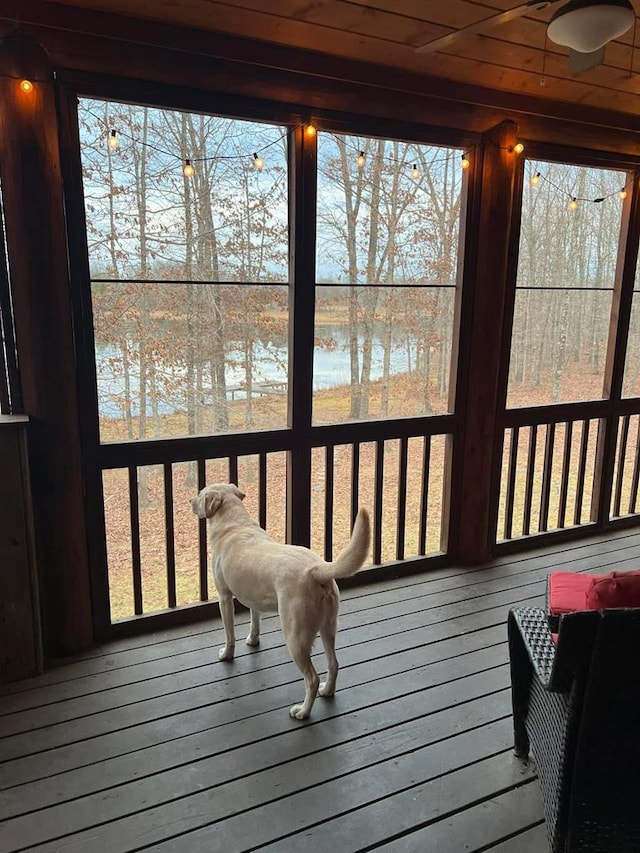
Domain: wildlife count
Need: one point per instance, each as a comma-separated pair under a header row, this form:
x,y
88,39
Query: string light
x,y
257,160
574,200
26,86
187,164
188,169
310,130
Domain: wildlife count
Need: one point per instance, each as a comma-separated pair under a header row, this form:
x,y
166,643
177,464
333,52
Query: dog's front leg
x,y
228,619
254,632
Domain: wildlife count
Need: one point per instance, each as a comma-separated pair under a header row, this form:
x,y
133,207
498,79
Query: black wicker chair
x,y
577,705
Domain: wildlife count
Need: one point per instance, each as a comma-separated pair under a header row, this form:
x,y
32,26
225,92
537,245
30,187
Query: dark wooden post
x,y
616,354
36,245
470,534
302,164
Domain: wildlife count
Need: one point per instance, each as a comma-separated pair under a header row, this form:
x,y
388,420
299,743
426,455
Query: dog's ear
x,y
212,502
237,492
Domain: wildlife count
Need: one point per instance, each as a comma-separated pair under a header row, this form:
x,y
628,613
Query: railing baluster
x,y
531,465
622,456
262,490
511,482
424,495
136,561
328,503
202,537
170,541
582,467
635,478
355,480
566,465
543,521
402,498
377,523
233,469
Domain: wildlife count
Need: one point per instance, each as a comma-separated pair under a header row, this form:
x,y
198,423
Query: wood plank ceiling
x,y
514,57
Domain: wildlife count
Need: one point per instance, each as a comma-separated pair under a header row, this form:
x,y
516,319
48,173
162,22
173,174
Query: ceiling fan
x,y
584,26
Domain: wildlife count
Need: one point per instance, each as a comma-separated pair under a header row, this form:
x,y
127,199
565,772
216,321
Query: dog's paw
x,y
252,641
225,654
297,712
326,689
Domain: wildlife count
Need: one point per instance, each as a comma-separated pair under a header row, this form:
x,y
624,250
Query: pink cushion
x,y
618,589
568,591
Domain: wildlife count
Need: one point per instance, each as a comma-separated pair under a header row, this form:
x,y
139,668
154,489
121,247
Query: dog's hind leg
x,y
328,636
228,617
254,632
300,628
302,659
328,629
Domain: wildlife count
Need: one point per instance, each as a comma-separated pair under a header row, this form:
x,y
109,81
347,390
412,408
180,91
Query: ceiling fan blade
x,y
484,24
579,62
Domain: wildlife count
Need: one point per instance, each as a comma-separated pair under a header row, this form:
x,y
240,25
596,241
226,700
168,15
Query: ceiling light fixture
x,y
587,25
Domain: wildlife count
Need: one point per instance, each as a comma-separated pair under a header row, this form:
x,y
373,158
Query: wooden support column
x,y
616,354
486,351
36,244
302,274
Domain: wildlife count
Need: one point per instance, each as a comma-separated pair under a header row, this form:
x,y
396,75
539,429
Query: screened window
x,y
387,258
189,272
571,217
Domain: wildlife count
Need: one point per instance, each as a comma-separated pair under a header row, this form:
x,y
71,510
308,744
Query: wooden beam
x,y
36,241
90,41
470,535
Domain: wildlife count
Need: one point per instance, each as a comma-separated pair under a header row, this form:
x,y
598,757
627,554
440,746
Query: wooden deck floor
x,y
153,744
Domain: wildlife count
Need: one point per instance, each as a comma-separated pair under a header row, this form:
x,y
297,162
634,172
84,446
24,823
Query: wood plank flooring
x,y
153,744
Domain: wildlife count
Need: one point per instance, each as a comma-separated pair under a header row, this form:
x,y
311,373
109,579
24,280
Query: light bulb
x,y
465,162
622,194
361,160
573,204
26,86
415,173
310,130
188,171
112,141
535,180
258,162
518,148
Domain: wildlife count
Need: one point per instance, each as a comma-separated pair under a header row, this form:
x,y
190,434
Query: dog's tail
x,y
352,557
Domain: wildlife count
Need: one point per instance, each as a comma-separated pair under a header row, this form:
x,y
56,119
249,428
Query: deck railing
x,y
626,478
548,460
156,550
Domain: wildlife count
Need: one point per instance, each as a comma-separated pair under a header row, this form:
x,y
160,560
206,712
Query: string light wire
x,y
574,199
255,156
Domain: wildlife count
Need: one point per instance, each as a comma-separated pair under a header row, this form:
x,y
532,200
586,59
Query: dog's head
x,y
209,500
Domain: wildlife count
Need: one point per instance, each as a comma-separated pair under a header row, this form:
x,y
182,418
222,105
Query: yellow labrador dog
x,y
268,577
